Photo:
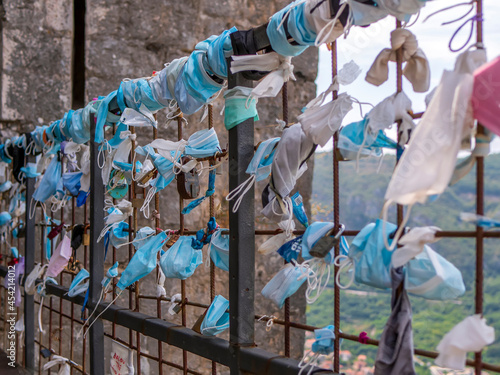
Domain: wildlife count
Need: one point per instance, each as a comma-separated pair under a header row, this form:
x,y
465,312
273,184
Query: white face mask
x,y
427,164
470,335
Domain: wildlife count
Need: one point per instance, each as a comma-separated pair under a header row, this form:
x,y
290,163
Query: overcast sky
x,y
363,44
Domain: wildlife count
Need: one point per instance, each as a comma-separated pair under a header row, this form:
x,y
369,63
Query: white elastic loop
x,y
344,262
400,229
102,312
328,28
40,325
241,190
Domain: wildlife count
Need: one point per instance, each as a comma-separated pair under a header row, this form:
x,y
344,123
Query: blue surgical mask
x,y
119,234
49,181
14,252
239,107
369,256
71,181
356,141
77,130
143,261
324,344
143,233
202,144
219,250
198,83
104,117
78,285
187,103
136,93
217,318
6,186
30,170
285,283
364,14
298,26
181,260
277,35
259,169
218,49
298,209
4,156
5,218
111,273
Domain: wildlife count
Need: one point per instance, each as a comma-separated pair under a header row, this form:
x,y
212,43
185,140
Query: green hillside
x,y
361,197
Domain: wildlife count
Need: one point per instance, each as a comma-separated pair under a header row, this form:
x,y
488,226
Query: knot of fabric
x,y
416,70
363,338
128,134
204,236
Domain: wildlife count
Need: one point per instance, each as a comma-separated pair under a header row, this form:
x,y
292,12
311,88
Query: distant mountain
x,y
361,200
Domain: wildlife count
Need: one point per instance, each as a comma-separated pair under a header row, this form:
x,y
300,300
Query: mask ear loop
x,y
312,362
329,27
147,200
241,191
344,262
270,321
102,312
101,296
400,229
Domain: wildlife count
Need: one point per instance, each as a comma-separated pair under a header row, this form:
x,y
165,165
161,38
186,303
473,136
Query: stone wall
x,y
129,39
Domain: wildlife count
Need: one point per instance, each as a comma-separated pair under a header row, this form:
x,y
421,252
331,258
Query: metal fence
x,y
125,323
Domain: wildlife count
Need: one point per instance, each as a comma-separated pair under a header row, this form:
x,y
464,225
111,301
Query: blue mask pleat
x,y
50,179
217,318
102,115
278,38
143,261
181,260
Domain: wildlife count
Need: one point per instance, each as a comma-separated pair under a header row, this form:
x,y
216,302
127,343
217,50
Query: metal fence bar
x,y
29,263
242,238
96,254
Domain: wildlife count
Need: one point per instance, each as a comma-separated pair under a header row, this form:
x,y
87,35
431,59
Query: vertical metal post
x,y
479,210
96,253
29,262
242,235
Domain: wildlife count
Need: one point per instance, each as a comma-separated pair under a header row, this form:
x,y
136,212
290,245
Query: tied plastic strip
x,y
210,191
203,236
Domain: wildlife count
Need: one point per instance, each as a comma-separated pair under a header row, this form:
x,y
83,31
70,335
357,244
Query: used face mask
x,y
288,165
258,169
428,162
357,141
186,103
48,183
143,261
485,94
369,257
417,68
119,234
318,270
318,17
217,318
239,107
285,283
78,285
5,218
56,360
60,258
111,273
181,260
277,34
364,14
219,250
320,122
324,343
71,182
121,359
30,170
280,67
202,144
5,186
470,335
